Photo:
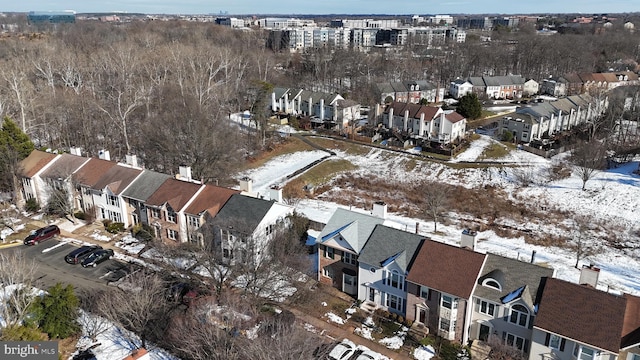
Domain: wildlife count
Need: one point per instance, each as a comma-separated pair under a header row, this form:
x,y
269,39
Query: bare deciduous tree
x,y
436,196
140,308
587,159
582,242
17,278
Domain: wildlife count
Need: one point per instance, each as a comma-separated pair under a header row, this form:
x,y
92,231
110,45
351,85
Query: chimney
x,y
246,185
468,239
275,194
589,275
184,173
131,160
75,151
380,209
104,155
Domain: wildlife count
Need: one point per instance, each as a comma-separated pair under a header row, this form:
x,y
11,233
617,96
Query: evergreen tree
x,y
469,106
14,146
57,312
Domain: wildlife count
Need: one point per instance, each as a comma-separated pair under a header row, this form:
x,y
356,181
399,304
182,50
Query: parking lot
x,y
51,267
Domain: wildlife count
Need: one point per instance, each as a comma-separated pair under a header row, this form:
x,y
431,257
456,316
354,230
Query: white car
x,y
369,355
343,350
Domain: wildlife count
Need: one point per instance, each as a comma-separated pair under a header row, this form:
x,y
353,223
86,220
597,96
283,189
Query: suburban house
x,y
440,286
409,92
459,88
498,87
579,322
318,105
33,187
554,86
543,120
207,203
165,207
383,266
59,176
244,226
425,122
85,180
139,191
107,193
340,243
530,87
504,300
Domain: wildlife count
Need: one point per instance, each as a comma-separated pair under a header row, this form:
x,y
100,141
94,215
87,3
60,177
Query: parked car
x,y
343,350
77,255
42,234
369,355
97,257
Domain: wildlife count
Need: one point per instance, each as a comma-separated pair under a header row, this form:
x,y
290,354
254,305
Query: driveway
x,y
51,267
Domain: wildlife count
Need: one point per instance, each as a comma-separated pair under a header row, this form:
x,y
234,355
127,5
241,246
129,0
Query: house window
x,y
171,216
554,341
445,324
515,341
583,353
327,272
227,253
155,213
486,308
393,279
349,258
328,252
270,229
172,234
113,200
519,315
425,292
395,302
193,221
448,302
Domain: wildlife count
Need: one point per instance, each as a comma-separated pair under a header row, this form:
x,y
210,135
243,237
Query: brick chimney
x,y
589,275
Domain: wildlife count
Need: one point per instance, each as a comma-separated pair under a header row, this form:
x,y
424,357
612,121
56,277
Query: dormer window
x,y
492,284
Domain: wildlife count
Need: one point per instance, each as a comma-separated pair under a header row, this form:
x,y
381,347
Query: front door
x,y
372,295
484,332
349,284
421,315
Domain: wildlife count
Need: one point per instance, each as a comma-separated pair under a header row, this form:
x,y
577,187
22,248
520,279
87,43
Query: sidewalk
x,y
334,332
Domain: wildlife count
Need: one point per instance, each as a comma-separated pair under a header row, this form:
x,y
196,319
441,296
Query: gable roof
x,y
33,163
174,192
210,199
92,171
512,275
387,244
446,268
631,324
454,117
581,313
415,110
117,178
65,166
243,213
145,185
354,227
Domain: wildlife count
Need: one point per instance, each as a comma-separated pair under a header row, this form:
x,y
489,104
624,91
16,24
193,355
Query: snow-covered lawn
x,y
612,196
395,342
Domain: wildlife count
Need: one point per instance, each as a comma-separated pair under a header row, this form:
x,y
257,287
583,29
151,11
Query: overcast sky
x,y
398,7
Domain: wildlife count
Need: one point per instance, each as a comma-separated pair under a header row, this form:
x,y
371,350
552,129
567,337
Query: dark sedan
x,y
97,257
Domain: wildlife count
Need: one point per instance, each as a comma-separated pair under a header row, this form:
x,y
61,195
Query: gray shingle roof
x,y
145,185
242,212
386,242
354,227
512,274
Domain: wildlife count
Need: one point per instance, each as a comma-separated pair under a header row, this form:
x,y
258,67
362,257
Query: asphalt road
x,y
51,267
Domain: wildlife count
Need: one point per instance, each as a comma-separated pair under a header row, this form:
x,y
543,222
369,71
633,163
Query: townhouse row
x,y
178,208
464,295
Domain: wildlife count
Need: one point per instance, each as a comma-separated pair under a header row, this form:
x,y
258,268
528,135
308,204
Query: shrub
x,y
22,333
80,215
106,222
115,227
32,205
57,312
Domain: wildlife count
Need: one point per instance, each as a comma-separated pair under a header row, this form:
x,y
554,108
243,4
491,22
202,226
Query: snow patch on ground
x,y
424,352
331,317
395,342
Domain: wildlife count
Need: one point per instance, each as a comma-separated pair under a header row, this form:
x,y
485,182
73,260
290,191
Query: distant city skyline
x,y
301,7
